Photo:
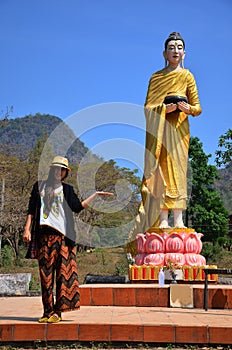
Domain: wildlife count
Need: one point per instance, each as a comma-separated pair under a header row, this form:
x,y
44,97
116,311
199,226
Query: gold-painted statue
x,y
171,97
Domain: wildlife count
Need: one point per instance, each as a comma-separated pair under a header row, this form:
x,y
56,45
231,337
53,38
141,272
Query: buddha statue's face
x,y
174,52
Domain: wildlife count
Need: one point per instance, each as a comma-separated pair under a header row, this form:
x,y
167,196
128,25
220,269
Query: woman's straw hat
x,y
61,162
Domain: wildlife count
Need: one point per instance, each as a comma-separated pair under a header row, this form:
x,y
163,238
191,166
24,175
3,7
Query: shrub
x,y
212,252
7,256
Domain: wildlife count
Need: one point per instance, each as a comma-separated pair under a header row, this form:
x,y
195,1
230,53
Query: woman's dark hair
x,y
50,179
49,190
174,36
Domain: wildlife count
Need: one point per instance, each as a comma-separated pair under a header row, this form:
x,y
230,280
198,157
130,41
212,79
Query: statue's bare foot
x,y
164,224
178,220
164,219
180,226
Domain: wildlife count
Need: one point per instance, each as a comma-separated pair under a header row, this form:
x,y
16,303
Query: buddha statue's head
x,y
173,36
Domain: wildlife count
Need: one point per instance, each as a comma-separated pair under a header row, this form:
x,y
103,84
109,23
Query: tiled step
x,y
117,319
112,324
151,295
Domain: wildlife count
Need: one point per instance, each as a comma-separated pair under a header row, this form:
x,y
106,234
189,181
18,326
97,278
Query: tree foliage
x,y
223,161
14,199
224,154
205,209
107,221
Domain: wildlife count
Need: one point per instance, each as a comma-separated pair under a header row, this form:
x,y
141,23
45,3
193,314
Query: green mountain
x,y
224,187
18,136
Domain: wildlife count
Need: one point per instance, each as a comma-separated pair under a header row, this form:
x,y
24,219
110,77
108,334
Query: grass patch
x,y
101,261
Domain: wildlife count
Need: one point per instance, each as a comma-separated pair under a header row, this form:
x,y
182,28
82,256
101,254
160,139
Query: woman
x,y
172,95
50,216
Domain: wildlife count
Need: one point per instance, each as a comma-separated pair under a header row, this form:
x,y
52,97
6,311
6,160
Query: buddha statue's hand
x,y
184,107
171,107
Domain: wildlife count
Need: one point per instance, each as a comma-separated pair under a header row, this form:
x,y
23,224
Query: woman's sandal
x,y
54,319
43,319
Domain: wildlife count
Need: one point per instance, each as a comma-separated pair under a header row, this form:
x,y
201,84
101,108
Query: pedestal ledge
x,y
190,273
170,230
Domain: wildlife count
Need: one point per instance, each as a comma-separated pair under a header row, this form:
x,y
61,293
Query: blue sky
x,y
61,57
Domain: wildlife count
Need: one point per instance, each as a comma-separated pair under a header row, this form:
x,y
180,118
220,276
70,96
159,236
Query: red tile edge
x,y
29,332
126,332
149,295
102,296
94,332
6,333
220,335
85,296
174,334
123,296
62,332
159,334
191,334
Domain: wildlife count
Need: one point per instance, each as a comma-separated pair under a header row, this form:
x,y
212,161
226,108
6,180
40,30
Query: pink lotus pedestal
x,y
174,250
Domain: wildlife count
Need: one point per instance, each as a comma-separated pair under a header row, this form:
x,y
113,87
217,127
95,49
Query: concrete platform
x,y
114,323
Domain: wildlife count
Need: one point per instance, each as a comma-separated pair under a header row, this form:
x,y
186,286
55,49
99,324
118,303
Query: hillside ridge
x,y
20,135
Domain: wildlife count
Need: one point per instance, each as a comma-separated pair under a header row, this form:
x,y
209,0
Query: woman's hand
x,y
171,107
27,232
102,193
93,196
184,107
26,235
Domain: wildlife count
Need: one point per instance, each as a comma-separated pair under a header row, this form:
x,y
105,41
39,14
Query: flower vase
x,y
174,275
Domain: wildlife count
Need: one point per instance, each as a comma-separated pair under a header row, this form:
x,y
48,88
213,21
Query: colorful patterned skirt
x,y
58,268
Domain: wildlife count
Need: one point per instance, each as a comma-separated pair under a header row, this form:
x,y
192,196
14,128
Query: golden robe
x,y
167,141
